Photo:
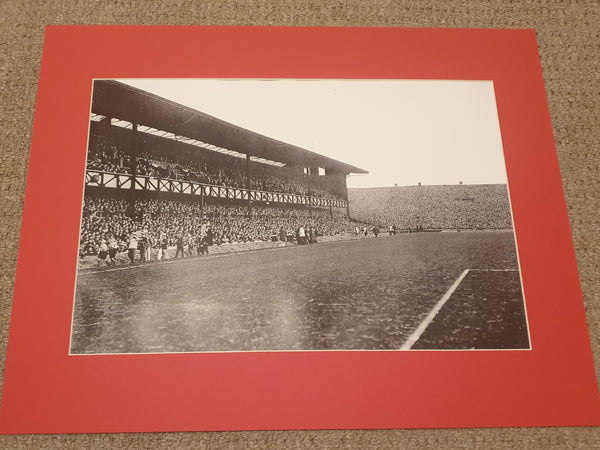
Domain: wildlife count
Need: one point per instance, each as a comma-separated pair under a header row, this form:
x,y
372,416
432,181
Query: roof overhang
x,y
117,100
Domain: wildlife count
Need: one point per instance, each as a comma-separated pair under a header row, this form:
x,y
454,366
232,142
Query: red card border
x,y
48,391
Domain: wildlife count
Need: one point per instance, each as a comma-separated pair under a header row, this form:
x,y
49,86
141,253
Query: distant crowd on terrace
x,y
205,167
446,207
107,221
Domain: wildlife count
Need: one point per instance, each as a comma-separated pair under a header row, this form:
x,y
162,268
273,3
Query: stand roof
x,y
117,100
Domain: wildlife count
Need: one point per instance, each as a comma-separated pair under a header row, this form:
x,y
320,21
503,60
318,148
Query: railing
x,y
145,183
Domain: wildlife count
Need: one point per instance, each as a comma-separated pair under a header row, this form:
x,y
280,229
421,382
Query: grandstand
x,y
157,170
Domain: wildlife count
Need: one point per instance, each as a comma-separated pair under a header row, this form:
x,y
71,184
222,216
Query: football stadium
x,y
198,235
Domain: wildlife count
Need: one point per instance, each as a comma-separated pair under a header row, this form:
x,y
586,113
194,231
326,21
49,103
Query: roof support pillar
x,y
249,185
133,152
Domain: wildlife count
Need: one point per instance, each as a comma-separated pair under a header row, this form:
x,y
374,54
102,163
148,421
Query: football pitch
x,y
409,291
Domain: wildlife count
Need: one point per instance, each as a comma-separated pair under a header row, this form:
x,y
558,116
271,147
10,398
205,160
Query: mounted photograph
x,y
258,215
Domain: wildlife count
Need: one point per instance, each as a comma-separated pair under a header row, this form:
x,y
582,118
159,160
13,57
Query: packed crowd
x,y
104,155
108,221
183,162
434,207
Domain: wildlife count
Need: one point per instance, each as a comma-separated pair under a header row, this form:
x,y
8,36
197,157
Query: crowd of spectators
x,y
446,207
104,155
111,219
189,163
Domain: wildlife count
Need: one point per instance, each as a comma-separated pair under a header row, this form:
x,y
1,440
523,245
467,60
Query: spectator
x,y
433,207
163,220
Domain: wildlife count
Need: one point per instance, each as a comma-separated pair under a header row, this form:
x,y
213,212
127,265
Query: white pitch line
x,y
414,337
173,260
214,294
137,265
164,262
494,270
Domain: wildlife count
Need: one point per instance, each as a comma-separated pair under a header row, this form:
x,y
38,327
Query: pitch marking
x,y
494,270
414,337
173,260
164,262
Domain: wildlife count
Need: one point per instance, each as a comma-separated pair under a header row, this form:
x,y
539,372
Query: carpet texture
x,y
568,34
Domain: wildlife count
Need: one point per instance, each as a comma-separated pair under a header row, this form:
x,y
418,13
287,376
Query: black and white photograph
x,y
241,215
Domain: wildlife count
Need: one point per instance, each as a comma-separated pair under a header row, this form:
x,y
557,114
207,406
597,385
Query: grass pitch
x,y
359,294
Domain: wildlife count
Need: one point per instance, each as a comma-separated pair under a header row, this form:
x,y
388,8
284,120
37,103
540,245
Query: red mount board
x,y
48,391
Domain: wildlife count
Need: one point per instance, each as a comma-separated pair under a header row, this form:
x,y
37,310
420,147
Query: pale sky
x,y
402,131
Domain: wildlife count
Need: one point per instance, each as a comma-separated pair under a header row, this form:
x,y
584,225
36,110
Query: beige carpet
x,y
569,42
